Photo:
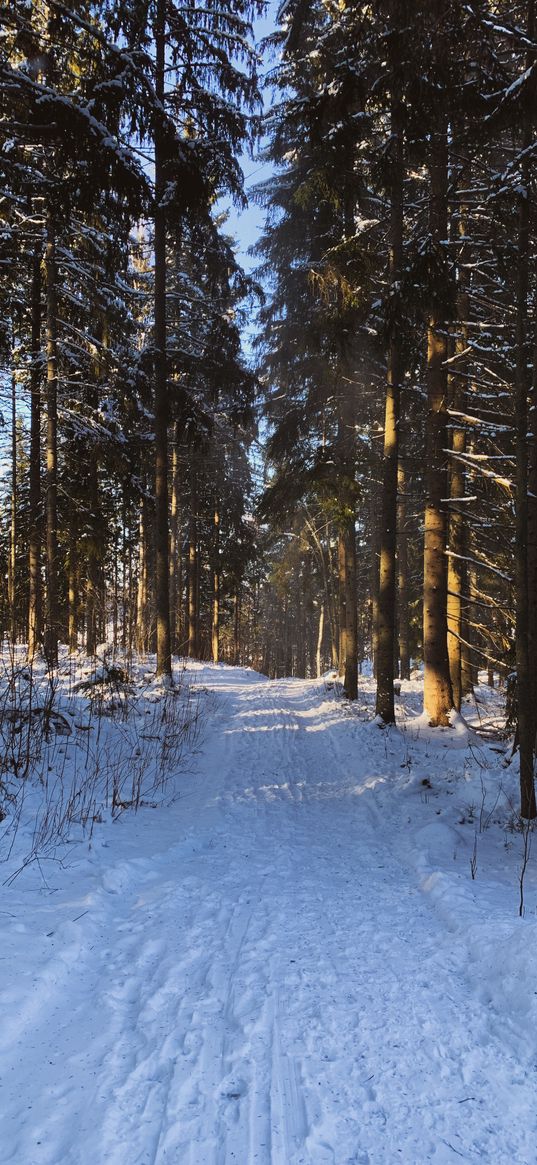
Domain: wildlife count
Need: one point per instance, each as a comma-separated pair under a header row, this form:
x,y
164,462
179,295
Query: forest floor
x,y
311,956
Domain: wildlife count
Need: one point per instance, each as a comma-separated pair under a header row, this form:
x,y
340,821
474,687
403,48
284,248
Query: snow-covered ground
x,y
313,956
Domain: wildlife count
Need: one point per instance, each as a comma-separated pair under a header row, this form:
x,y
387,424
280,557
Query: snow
x,y
292,963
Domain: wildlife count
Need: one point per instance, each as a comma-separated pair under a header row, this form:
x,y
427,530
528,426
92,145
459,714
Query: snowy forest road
x,y
258,977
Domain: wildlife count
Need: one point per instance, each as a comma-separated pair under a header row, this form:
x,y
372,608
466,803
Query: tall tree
x,y
438,695
162,593
386,635
526,687
34,547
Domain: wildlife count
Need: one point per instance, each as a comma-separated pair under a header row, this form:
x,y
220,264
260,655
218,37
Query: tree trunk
x,y
193,629
457,582
95,602
532,542
403,580
438,696
525,681
180,603
72,582
162,572
323,551
34,534
375,570
342,597
457,524
469,666
387,619
320,634
215,629
51,632
13,533
129,603
142,598
175,547
237,627
351,638
93,579
115,596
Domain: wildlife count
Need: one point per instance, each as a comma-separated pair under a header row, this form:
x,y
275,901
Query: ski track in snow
x,y
260,980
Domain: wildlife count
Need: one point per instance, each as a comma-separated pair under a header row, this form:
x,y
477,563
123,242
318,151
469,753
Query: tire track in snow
x,y
380,1089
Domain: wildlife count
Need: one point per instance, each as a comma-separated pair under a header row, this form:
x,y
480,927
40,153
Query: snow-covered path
x,y
260,978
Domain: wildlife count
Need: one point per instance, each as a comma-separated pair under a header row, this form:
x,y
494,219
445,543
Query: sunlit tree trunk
x,y
525,679
403,587
387,617
351,637
375,573
469,665
457,524
438,696
342,602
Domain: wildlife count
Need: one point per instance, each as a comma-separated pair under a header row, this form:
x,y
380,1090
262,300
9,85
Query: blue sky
x,y
245,226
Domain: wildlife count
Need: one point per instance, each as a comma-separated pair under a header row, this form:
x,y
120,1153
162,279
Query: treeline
x,y
125,392
398,340
397,518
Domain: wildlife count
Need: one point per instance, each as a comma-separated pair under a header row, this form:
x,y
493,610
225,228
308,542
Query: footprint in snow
x,y
232,1088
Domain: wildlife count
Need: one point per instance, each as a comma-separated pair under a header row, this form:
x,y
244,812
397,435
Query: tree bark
x,y
162,570
125,577
142,598
34,536
342,602
93,579
351,638
532,542
115,599
13,533
438,696
387,617
525,682
457,484
237,627
323,552
72,582
320,634
215,628
469,657
52,626
403,580
95,549
375,570
175,547
193,628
